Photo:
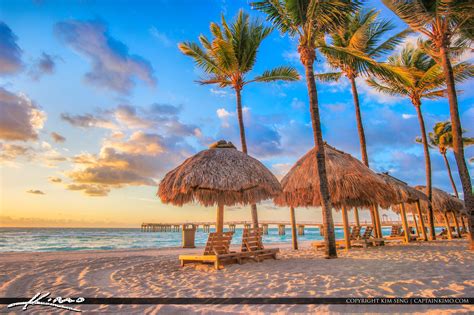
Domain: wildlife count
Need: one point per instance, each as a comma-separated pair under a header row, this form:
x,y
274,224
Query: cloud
x,y
113,67
54,179
160,36
45,65
292,56
134,161
263,138
408,116
35,192
220,92
57,137
297,103
10,52
10,152
42,153
20,118
90,190
88,121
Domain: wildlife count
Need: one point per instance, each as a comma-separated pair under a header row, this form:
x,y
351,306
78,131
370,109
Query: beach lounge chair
x,y
355,233
366,239
216,251
252,245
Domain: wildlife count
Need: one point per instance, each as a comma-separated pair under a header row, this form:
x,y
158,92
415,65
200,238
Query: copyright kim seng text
x,y
408,300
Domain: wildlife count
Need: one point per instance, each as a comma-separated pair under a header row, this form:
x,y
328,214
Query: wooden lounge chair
x,y
355,233
366,239
252,245
320,244
216,251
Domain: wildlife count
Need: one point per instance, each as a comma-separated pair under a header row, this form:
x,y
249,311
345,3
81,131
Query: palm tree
x,y
228,59
309,21
422,78
448,24
442,138
361,34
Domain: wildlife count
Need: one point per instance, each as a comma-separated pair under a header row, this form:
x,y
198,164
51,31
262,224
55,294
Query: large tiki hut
x,y
351,185
444,205
221,176
407,195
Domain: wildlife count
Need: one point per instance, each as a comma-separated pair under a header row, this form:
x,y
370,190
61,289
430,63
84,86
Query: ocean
x,y
75,239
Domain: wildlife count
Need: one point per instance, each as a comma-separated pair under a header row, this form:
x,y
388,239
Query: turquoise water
x,y
73,239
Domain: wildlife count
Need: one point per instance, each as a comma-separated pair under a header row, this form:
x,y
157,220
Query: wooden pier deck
x,y
231,225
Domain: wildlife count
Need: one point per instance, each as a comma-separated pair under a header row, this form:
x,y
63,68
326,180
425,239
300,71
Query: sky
x,y
97,104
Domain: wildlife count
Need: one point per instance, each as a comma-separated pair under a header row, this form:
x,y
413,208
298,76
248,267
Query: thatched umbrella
x,y
443,204
221,176
409,195
350,183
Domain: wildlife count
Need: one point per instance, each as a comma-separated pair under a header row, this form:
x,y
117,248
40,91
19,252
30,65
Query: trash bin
x,y
189,233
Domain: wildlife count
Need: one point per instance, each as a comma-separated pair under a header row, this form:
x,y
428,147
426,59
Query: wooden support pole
x,y
422,221
356,217
463,223
406,231
294,238
220,218
377,219
456,223
301,229
345,221
372,218
416,224
448,226
281,229
265,229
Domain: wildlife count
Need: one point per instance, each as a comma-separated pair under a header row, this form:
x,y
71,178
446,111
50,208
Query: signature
x,y
45,300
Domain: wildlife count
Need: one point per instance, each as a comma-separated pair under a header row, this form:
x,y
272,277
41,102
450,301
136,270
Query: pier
x,y
232,225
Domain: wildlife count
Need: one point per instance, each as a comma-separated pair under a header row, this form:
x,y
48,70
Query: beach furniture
x,y
367,239
216,251
320,244
252,245
355,233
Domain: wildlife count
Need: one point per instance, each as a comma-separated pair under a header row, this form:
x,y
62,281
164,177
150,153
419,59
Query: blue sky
x,y
108,78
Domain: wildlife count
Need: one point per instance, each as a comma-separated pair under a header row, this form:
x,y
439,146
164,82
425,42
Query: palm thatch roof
x,y
220,175
404,192
351,183
442,201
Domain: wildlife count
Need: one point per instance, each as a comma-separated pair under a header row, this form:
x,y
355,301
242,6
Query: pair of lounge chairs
x,y
217,250
356,238
397,234
366,239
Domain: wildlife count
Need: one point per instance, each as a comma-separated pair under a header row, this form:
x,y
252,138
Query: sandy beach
x,y
434,269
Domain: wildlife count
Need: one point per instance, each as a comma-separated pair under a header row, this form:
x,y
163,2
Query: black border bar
x,y
262,301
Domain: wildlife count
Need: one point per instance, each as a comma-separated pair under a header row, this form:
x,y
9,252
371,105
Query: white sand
x,y
434,269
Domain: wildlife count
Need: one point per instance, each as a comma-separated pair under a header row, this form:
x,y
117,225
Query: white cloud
x,y
160,36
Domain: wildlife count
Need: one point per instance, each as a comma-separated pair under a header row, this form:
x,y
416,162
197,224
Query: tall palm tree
x,y
442,138
229,57
362,33
422,79
449,25
309,21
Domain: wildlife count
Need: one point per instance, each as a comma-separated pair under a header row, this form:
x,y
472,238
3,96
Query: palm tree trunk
x,y
308,56
458,147
244,148
424,139
360,126
450,174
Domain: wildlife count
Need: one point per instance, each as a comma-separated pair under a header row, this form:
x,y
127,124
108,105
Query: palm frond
x,y
283,73
328,77
201,59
